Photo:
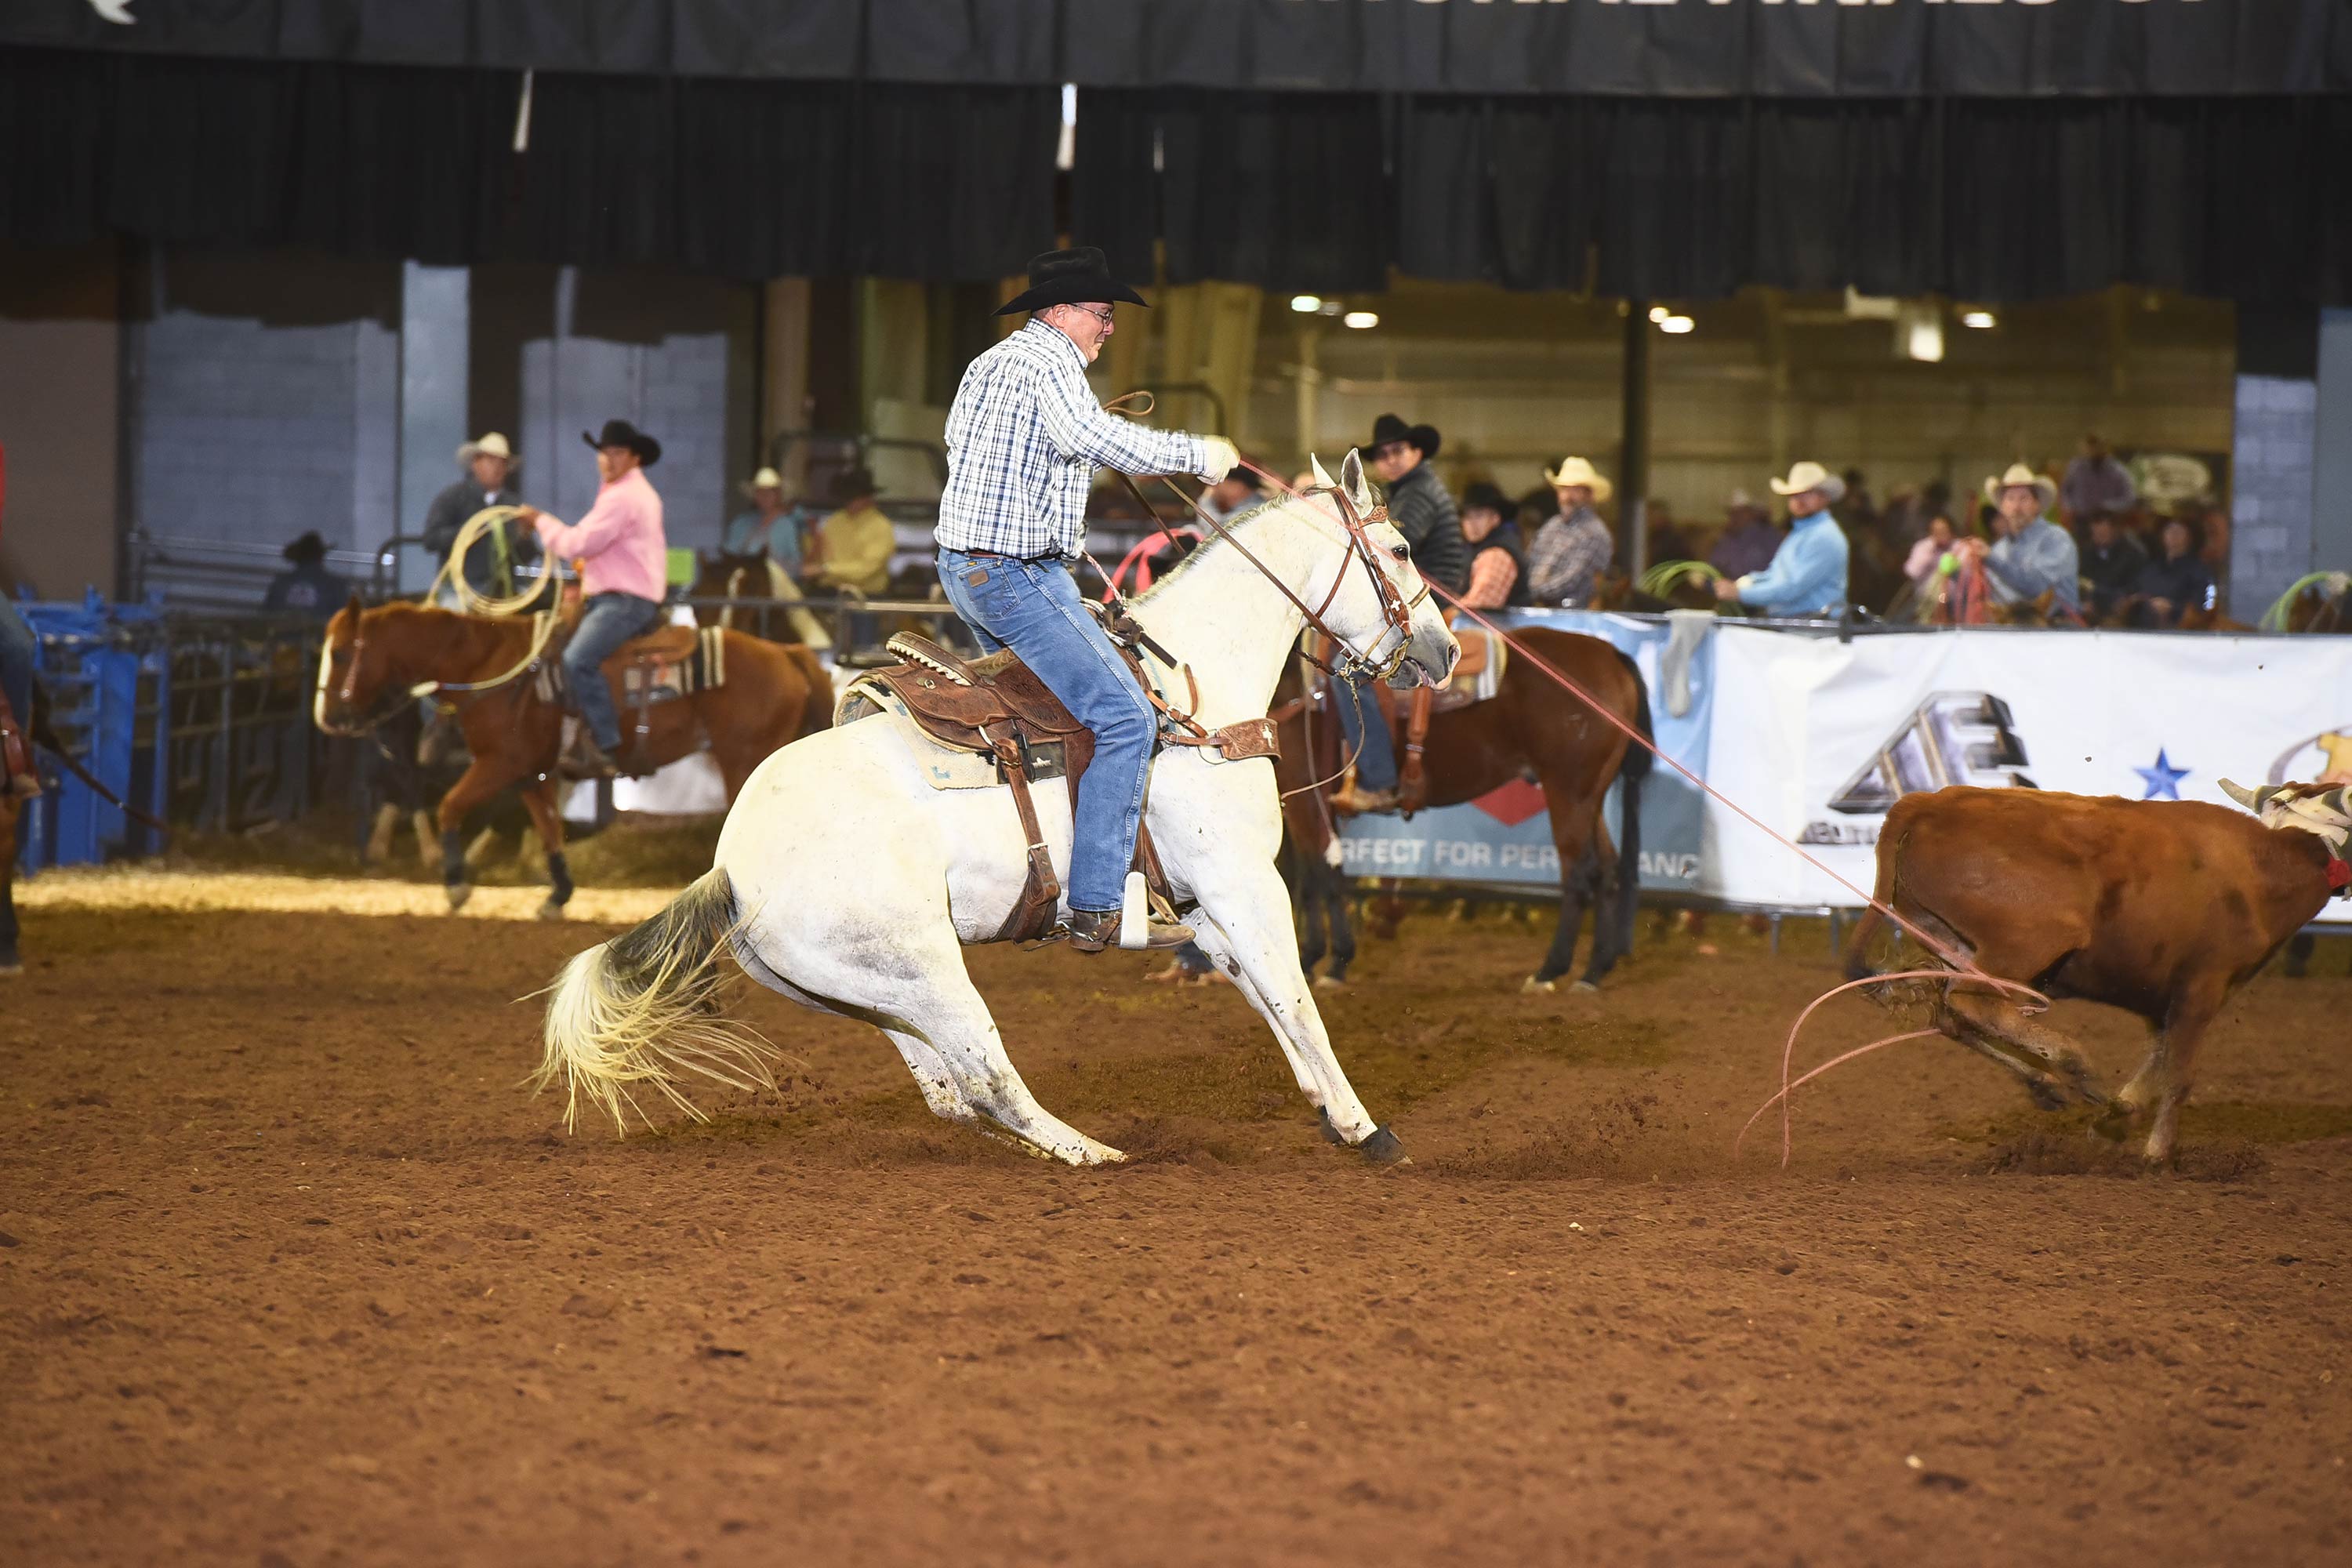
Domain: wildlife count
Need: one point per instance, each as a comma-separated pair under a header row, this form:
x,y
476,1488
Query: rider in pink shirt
x,y
624,577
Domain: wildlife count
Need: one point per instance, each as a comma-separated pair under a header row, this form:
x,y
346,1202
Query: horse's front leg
x,y
1246,929
474,786
540,800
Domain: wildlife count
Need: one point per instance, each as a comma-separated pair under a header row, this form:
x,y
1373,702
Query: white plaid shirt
x,y
1025,438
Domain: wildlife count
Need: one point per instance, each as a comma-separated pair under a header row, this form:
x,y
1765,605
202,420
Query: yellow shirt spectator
x,y
855,543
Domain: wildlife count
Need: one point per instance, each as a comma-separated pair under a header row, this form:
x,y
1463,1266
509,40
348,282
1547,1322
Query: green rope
x,y
2332,583
1664,577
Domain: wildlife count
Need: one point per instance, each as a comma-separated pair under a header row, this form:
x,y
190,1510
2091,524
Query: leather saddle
x,y
997,707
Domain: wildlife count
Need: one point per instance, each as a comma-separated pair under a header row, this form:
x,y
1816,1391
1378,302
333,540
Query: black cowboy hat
x,y
855,484
306,550
1388,427
1483,493
1077,277
621,433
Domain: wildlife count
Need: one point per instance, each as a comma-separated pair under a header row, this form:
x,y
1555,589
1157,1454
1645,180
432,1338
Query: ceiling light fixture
x,y
1359,319
1306,304
1981,320
1677,325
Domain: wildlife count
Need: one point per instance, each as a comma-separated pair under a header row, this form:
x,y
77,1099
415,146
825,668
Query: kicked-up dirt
x,y
293,1272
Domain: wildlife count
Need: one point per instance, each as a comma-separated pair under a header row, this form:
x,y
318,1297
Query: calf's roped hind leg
x,y
2047,1062
1245,928
2162,1083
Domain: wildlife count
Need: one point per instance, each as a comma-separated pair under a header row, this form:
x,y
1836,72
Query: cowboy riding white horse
x,y
844,881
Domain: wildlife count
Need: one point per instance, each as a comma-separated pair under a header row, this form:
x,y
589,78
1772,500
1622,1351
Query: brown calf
x,y
2160,908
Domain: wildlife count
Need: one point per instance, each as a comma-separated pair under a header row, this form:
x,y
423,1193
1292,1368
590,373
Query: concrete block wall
x,y
2270,503
259,433
675,390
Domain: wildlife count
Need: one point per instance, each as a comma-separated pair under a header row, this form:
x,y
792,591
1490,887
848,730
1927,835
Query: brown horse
x,y
1535,726
772,693
761,598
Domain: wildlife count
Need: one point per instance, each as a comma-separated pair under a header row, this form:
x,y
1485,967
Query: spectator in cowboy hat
x,y
1748,539
2033,555
1420,509
768,527
1575,547
1499,556
489,467
623,559
306,587
1808,573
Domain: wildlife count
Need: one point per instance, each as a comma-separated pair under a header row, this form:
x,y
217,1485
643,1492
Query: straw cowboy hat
x,y
1080,276
1811,477
491,446
1577,471
2019,476
765,479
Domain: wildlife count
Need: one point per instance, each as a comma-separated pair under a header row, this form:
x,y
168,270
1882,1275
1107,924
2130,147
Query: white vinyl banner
x,y
1817,738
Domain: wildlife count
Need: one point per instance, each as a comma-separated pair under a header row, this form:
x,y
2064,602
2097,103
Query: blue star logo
x,y
2163,780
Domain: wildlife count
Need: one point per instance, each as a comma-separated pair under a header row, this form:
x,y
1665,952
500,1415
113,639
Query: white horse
x,y
845,882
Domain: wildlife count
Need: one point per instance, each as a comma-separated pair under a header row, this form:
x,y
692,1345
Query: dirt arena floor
x,y
294,1272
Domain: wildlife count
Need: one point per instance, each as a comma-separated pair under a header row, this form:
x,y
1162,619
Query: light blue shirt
x,y
1807,576
2040,559
779,540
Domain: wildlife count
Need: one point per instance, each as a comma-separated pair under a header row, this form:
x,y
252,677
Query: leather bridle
x,y
1396,611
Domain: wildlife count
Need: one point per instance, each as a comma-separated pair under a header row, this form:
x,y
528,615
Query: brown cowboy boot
x,y
1092,930
583,757
1351,800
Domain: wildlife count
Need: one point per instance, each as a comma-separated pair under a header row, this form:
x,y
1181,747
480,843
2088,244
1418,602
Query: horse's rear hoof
x,y
1532,987
551,911
1582,985
458,895
1382,1149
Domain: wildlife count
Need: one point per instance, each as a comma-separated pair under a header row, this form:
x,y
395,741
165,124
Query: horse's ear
x,y
1322,475
354,605
1351,477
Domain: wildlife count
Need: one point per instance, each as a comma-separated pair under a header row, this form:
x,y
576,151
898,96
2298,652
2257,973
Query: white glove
x,y
1222,457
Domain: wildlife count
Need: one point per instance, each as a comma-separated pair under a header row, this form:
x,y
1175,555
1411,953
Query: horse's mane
x,y
1215,541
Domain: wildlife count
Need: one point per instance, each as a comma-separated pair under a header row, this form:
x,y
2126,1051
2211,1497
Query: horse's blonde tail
x,y
638,1008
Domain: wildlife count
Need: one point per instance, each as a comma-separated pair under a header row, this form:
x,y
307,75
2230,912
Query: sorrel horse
x,y
375,660
1532,725
863,919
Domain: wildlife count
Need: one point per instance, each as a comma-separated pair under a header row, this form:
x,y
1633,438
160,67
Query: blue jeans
x,y
1032,607
16,651
1376,765
606,621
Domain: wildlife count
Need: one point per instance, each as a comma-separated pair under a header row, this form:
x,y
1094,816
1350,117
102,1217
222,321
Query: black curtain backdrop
x,y
748,179
1684,48
2234,197
2241,198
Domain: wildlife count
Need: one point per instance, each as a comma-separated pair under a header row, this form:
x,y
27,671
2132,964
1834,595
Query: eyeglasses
x,y
1106,315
